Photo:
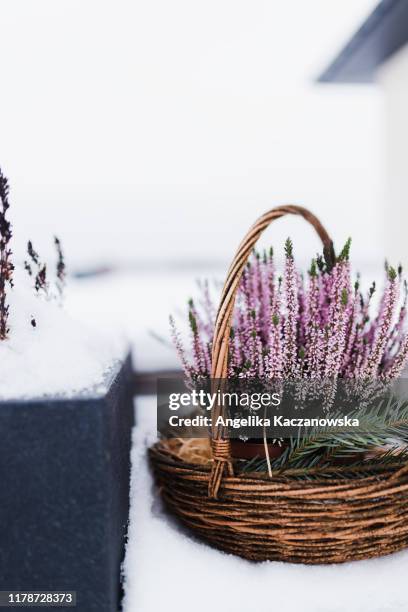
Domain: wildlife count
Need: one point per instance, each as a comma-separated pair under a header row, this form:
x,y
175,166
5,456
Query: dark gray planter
x,y
64,493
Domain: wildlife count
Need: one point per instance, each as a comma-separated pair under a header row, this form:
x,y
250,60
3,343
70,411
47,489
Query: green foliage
x,y
289,247
345,252
392,273
313,269
193,322
321,266
385,431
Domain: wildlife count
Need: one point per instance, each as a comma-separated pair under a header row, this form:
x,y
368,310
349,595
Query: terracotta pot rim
x,y
241,449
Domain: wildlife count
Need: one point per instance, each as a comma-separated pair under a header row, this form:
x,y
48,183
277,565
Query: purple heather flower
x,y
180,348
398,363
319,327
383,325
314,335
292,313
337,323
397,334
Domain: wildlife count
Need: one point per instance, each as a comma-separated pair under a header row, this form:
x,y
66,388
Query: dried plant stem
x,y
61,270
265,441
6,266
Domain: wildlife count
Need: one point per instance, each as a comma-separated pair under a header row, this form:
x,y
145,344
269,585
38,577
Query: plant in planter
x,y
66,415
321,326
305,506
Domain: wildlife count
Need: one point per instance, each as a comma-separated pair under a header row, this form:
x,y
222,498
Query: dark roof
x,y
381,35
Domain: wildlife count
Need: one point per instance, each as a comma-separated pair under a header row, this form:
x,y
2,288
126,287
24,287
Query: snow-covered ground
x,y
167,570
48,352
137,306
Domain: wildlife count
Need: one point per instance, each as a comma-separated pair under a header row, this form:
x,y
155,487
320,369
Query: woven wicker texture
x,y
328,519
337,514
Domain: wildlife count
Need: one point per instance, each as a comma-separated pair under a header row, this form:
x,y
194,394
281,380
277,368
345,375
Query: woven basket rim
x,y
328,474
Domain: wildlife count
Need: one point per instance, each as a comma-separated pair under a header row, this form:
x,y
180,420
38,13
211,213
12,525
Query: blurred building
x,y
378,51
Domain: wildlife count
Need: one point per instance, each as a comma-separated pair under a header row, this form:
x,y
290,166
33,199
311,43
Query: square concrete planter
x,y
64,474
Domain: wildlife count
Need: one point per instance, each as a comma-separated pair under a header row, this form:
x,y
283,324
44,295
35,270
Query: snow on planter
x,y
66,415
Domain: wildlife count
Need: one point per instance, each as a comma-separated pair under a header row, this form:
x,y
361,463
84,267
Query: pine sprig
x,y
321,447
362,467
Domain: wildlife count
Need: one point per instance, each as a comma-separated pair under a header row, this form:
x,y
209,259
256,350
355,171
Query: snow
x,y
59,356
165,569
175,146
138,306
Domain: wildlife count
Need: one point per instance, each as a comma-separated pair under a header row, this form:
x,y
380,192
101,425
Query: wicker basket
x,y
337,514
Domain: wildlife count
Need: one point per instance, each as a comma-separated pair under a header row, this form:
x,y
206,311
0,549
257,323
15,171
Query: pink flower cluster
x,y
292,327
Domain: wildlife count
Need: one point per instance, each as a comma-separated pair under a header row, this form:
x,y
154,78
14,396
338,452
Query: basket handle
x,y
220,444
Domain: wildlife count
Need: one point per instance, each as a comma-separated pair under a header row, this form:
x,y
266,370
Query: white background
x,y
151,132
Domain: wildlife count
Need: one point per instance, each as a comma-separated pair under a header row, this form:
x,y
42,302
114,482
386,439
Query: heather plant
x,y
40,274
38,270
321,325
61,268
6,266
33,265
